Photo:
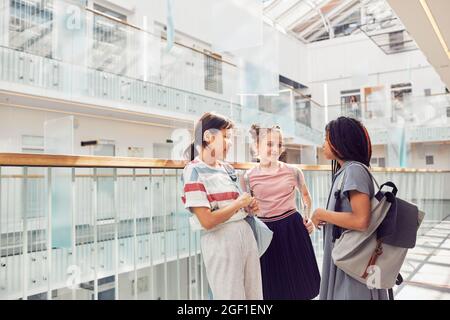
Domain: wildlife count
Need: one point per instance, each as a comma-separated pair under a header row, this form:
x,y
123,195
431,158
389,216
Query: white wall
x,y
416,157
293,59
440,151
342,62
124,134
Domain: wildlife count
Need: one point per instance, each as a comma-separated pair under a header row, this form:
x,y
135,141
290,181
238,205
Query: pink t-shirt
x,y
275,190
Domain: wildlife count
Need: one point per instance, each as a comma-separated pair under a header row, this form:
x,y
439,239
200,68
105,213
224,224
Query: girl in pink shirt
x,y
289,268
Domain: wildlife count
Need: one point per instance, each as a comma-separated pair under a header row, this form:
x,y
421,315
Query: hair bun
x,y
254,131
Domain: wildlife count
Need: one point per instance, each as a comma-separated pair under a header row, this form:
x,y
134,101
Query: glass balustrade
x,y
129,232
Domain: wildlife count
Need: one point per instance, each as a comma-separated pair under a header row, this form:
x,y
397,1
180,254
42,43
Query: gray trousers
x,y
232,264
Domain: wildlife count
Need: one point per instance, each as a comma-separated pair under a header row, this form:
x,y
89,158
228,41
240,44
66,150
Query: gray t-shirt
x,y
336,284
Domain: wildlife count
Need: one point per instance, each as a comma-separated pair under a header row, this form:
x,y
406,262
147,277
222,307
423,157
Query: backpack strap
x,y
337,231
337,193
232,174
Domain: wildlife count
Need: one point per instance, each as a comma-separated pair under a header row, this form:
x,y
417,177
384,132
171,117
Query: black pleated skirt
x,y
289,267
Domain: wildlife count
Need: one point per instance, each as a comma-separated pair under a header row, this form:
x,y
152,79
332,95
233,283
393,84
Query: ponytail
x,y
208,121
190,153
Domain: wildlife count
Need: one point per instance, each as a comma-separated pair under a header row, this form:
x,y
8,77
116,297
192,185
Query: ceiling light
x,y
435,26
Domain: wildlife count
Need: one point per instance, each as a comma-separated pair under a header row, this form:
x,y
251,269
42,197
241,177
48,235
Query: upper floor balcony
x,y
64,51
421,118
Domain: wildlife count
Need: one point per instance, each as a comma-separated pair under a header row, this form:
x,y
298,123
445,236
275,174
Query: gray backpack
x,y
374,257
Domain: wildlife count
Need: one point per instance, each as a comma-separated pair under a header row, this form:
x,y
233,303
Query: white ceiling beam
x,y
332,13
304,17
338,20
288,10
271,6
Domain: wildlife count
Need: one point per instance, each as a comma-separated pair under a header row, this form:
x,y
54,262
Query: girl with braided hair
x,y
348,146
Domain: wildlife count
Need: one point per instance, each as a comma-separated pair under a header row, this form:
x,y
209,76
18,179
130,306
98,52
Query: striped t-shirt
x,y
210,187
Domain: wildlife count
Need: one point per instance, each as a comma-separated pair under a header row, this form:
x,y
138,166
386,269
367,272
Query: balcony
x,y
424,118
79,227
109,63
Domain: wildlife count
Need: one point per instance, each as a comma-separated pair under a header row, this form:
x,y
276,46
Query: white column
x,y
4,22
325,102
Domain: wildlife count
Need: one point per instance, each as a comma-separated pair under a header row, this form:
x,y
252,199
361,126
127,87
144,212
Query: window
x,y
39,296
302,104
348,25
142,285
400,93
265,103
213,73
396,40
401,90
30,26
351,103
136,152
448,112
378,162
429,160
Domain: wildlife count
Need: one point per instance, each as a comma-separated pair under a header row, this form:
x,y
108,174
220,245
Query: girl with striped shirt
x,y
212,194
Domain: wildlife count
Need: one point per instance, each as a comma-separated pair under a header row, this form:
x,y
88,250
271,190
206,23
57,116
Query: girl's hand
x,y
316,218
244,200
253,207
309,225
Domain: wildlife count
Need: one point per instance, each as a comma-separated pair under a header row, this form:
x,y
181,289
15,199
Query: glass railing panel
x,y
126,206
11,256
318,183
34,216
80,273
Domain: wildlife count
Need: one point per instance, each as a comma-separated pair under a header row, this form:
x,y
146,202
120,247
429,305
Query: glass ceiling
x,y
315,20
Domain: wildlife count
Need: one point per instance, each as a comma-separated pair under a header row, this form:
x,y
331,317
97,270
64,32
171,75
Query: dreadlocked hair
x,y
349,141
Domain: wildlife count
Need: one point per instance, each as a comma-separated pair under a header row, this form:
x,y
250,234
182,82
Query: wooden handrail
x,y
69,161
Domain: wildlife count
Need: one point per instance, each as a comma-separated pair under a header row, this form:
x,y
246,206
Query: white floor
x,y
426,271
